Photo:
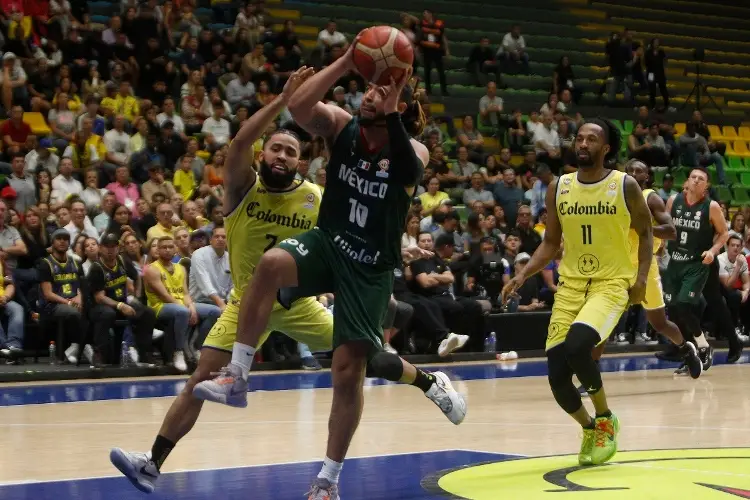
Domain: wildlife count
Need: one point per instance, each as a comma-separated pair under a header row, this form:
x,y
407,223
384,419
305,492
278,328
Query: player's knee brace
x,y
578,344
385,365
560,378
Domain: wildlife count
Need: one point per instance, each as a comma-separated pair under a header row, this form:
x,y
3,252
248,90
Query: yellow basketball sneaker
x,y
605,439
584,456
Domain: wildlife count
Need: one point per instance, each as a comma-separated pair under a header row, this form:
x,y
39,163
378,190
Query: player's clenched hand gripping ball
x,y
381,53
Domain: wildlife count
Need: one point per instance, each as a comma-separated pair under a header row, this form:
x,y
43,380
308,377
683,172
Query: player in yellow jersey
x,y
261,210
593,209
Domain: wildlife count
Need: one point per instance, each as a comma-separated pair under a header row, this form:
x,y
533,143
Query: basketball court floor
x,y
680,438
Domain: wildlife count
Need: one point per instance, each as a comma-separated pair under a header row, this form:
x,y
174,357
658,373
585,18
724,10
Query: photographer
x,y
488,272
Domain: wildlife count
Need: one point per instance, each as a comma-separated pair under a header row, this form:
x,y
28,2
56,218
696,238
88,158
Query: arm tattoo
x,y
321,125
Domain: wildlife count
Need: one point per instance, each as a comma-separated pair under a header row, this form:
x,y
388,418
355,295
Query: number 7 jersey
x,y
261,220
595,223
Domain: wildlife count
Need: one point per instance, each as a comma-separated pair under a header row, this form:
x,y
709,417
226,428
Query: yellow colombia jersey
x,y
595,223
634,235
174,282
263,219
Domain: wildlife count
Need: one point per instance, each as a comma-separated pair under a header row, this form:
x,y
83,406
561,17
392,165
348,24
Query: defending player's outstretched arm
x,y
547,250
640,221
664,228
239,175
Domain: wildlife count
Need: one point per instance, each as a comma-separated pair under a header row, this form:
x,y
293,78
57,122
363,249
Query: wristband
x,y
119,306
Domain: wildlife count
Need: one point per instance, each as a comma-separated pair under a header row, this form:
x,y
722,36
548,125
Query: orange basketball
x,y
381,53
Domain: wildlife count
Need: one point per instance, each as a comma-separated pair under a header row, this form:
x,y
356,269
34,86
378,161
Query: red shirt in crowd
x,y
17,134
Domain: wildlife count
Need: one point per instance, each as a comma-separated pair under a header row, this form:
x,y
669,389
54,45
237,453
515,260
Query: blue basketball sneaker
x,y
228,388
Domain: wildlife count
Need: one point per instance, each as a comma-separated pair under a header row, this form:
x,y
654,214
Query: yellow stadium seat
x,y
36,121
740,149
730,150
729,133
744,133
679,129
715,132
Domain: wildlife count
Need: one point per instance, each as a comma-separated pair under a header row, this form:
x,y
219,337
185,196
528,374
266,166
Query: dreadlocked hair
x,y
613,138
413,117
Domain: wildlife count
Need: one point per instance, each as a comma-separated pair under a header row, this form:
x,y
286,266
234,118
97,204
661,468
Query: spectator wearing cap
x,y
64,185
168,113
111,281
15,132
12,245
528,294
14,77
41,157
167,293
125,191
240,91
117,142
60,280
216,128
666,191
210,279
22,183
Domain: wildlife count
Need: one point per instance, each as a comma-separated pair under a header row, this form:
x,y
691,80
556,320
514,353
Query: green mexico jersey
x,y
695,233
364,204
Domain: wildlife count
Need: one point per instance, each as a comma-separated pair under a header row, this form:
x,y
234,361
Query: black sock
x,y
591,425
606,414
423,380
160,450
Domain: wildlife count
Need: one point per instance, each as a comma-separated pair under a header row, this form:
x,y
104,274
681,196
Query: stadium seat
x,y
37,123
627,126
715,132
659,176
729,133
740,196
745,179
724,193
736,163
744,133
679,129
740,149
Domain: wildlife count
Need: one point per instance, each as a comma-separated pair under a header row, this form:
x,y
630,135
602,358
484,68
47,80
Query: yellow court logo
x,y
698,474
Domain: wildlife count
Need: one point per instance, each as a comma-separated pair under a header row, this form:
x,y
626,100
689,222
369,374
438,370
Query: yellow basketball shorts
x,y
654,292
307,322
595,303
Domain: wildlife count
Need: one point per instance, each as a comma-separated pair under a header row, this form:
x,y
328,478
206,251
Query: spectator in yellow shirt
x,y
184,178
87,150
125,103
433,197
109,103
164,225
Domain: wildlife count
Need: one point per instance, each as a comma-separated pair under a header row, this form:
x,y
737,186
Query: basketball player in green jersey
x,y
701,235
372,173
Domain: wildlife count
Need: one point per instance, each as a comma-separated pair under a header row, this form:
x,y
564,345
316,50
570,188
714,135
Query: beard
x,y
276,180
585,161
376,121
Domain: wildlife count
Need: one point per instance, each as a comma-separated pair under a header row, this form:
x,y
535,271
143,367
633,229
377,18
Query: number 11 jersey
x,y
595,223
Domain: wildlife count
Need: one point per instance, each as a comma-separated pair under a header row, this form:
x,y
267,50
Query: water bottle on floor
x,y
52,353
124,354
490,342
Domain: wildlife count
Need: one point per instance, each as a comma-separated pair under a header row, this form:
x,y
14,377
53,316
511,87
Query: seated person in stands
x,y
111,281
210,280
526,298
735,278
166,290
11,339
433,279
61,281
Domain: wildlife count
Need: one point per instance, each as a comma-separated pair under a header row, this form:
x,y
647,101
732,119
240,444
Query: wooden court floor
x,y
679,437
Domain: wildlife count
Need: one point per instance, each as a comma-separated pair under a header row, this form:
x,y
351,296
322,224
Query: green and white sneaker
x,y
587,443
605,439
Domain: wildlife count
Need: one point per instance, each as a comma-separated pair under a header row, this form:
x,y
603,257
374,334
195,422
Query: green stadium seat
x,y
680,176
740,197
736,163
745,179
724,193
659,176
628,126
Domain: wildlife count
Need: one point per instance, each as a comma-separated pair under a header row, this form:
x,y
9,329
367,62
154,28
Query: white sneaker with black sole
x,y
452,343
137,467
450,402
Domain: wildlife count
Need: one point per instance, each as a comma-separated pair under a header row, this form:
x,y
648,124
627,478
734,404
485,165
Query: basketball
x,y
383,52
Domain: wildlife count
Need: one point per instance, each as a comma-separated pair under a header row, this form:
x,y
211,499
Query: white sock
x,y
242,356
700,341
331,470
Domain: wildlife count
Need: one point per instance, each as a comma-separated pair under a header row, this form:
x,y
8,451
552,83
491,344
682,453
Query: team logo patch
x,y
567,180
383,166
694,474
588,264
310,199
565,191
612,186
698,215
363,165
